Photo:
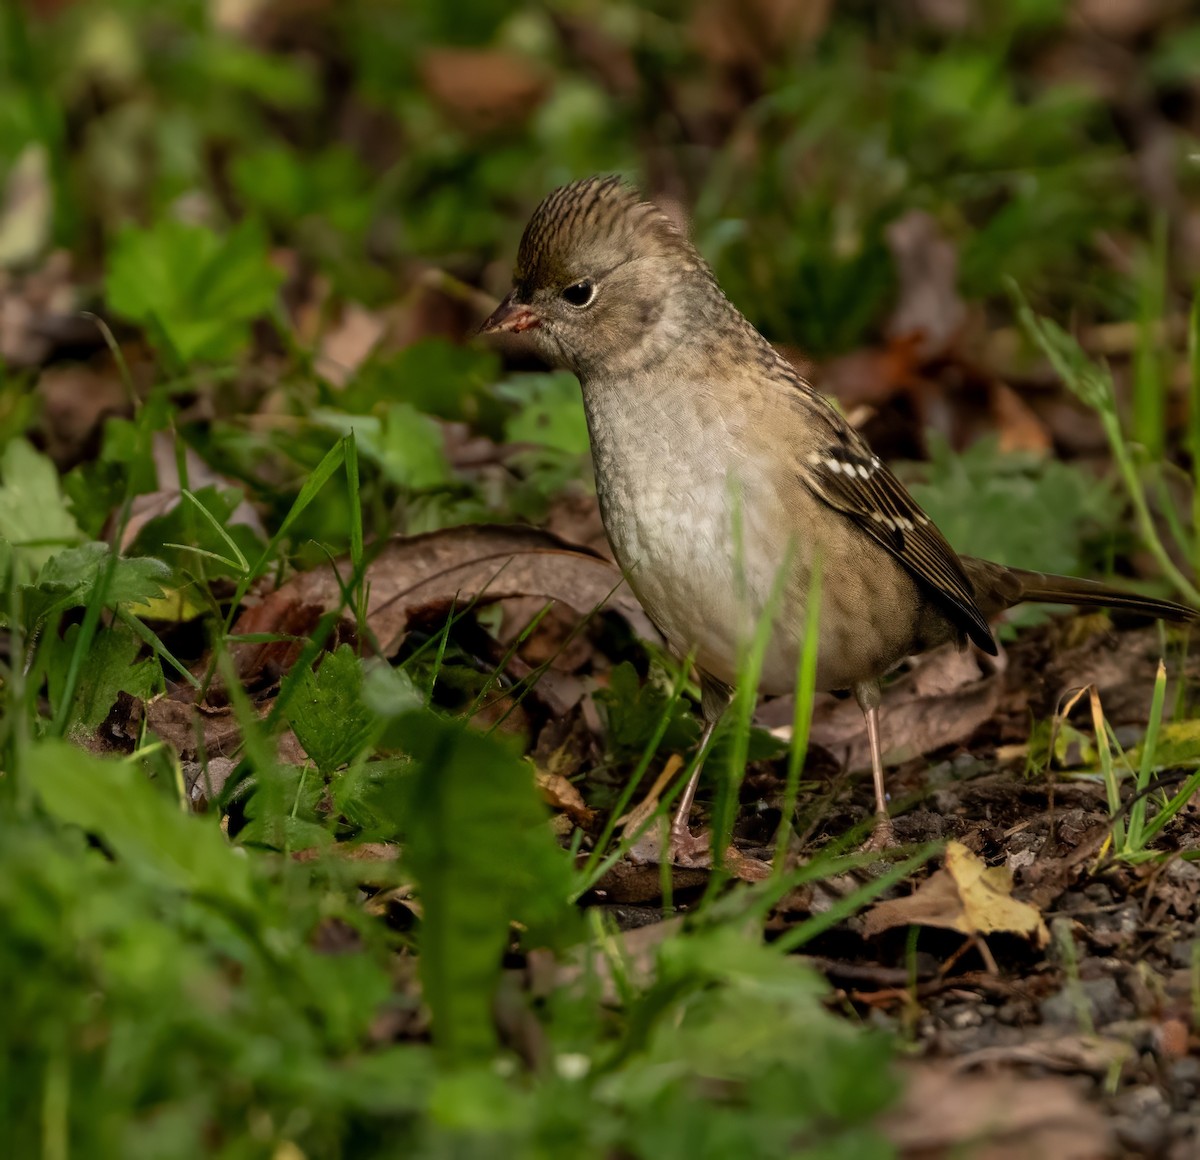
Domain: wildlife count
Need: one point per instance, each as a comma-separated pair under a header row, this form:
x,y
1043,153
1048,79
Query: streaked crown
x,y
595,216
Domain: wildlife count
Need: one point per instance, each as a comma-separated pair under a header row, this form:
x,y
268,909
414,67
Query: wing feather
x,y
842,471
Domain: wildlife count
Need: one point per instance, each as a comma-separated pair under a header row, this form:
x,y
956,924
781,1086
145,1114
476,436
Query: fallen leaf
x,y
993,1117
942,701
454,567
346,347
929,307
1019,426
482,88
1120,19
561,794
964,895
27,207
75,402
154,504
739,34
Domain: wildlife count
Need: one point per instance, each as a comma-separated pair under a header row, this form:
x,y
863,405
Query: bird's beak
x,y
510,316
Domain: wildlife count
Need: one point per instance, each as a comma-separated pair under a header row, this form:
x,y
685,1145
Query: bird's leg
x,y
868,696
684,847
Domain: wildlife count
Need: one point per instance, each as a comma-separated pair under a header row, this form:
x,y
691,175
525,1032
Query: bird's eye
x,y
580,293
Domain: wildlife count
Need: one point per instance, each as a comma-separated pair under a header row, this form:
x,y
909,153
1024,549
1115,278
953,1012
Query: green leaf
x,y
327,711
184,527
1016,508
110,669
407,445
482,854
195,291
140,825
33,513
551,413
435,376
73,574
632,709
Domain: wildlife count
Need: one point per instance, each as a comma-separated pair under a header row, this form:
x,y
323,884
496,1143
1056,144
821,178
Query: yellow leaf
x,y
964,895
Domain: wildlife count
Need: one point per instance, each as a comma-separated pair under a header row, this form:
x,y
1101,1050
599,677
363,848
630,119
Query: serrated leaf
x,y
327,712
195,291
74,573
110,669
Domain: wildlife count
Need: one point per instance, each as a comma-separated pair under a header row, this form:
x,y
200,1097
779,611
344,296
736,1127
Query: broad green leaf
x,y
109,669
327,711
407,445
140,824
195,291
73,574
433,375
33,513
478,844
551,413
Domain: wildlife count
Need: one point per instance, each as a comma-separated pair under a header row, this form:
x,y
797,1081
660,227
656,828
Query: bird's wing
x,y
842,471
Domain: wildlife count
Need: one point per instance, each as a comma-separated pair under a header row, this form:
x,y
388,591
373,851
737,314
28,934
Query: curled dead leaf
x,y
993,1117
945,697
431,573
560,794
965,895
930,308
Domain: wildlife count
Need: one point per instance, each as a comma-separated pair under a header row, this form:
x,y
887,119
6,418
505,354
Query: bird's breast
x,y
698,527
719,538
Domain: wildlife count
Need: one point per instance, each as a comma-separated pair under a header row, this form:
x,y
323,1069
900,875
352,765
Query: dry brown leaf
x,y
482,88
993,1117
929,307
560,794
945,698
154,504
964,895
1121,19
740,34
1019,425
427,574
26,207
75,401
39,310
347,345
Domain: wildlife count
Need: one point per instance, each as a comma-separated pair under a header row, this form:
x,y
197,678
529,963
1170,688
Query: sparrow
x,y
725,479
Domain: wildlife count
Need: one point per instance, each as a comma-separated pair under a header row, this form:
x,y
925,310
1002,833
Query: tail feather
x,y
999,587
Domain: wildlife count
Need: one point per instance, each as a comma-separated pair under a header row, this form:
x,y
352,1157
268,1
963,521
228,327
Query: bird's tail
x,y
998,587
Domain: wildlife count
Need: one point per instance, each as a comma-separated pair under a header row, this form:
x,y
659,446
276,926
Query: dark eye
x,y
580,293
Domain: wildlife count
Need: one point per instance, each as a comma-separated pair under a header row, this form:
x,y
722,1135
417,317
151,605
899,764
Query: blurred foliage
x,y
357,136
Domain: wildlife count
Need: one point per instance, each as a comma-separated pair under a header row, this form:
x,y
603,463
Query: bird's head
x,y
602,280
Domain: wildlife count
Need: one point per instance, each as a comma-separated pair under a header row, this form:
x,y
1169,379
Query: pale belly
x,y
709,577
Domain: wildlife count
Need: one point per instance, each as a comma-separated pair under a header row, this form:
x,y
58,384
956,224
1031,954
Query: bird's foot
x,y
883,837
687,849
677,847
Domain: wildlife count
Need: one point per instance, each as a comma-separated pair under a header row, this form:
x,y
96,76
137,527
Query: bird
x,y
725,479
